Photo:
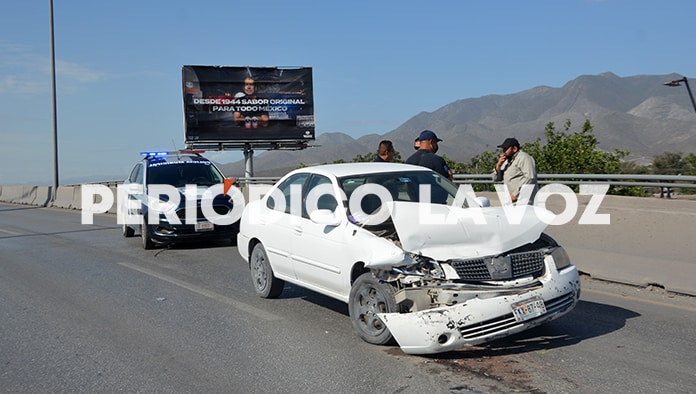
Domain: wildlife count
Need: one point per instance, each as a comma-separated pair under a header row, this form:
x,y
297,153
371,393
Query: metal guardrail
x,y
105,183
664,183
640,180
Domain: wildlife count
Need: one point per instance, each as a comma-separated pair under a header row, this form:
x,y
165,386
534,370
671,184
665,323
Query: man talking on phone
x,y
516,168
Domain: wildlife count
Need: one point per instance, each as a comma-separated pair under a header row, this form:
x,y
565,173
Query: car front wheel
x,y
145,233
265,282
368,297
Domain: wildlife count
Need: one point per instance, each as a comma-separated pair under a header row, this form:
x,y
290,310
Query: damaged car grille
x,y
507,267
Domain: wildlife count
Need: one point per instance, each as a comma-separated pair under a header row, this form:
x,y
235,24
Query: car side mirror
x,y
324,217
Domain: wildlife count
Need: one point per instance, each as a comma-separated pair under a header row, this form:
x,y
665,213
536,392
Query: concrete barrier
x,y
65,197
77,197
96,198
43,195
28,195
10,193
114,206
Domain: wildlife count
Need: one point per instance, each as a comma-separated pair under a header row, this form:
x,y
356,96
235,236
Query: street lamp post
x,y
677,82
54,192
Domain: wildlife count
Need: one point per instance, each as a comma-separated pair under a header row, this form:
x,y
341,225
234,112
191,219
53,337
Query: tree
x,y
481,164
631,167
674,163
670,163
370,156
573,153
456,167
690,168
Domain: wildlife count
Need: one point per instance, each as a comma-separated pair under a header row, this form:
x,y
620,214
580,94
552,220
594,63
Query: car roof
x,y
348,169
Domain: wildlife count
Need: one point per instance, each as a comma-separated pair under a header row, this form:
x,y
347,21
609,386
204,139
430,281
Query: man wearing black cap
x,y
425,156
515,168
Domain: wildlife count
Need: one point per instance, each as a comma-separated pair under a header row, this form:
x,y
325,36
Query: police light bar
x,y
177,152
154,154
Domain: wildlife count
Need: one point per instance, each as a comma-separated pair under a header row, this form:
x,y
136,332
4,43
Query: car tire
x,y
262,276
128,231
146,235
369,296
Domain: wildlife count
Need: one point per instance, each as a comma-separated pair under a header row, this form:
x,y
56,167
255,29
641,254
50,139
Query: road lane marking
x,y
9,232
631,298
206,293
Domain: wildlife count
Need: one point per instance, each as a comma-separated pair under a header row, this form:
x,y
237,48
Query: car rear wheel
x,y
128,231
265,282
369,296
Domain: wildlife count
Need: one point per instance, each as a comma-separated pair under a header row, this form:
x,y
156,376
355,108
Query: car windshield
x,y
405,186
179,174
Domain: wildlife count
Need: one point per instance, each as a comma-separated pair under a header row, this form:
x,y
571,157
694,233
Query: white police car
x,y
178,196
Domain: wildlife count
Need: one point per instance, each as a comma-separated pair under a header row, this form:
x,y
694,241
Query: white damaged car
x,y
417,259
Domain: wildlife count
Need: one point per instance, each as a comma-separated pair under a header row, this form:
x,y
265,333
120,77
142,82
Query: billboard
x,y
247,104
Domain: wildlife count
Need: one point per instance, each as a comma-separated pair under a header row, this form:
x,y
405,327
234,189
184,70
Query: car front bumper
x,y
164,233
480,320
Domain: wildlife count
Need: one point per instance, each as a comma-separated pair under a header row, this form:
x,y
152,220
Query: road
x,y
85,310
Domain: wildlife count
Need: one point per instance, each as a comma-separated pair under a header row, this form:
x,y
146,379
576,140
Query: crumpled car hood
x,y
444,232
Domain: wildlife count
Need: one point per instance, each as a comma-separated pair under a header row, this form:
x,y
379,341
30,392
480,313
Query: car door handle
x,y
297,230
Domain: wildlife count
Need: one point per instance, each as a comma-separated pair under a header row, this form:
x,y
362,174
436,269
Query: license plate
x,y
203,226
528,309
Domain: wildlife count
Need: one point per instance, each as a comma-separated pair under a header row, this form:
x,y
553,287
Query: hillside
x,y
637,113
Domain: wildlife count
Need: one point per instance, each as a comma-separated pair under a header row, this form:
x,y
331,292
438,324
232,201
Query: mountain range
x,y
636,113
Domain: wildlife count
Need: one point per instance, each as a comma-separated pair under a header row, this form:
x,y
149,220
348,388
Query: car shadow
x,y
200,244
292,291
588,320
8,208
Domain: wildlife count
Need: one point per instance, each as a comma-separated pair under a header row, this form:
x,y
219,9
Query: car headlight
x,y
560,258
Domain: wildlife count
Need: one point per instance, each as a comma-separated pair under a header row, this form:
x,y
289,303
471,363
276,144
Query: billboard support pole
x,y
248,161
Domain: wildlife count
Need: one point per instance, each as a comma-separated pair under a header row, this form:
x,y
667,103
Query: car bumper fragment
x,y
480,320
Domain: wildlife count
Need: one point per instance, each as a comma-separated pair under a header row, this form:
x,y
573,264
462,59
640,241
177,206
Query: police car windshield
x,y
179,174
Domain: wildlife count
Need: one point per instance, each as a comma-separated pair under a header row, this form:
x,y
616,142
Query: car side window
x,y
324,201
291,191
136,175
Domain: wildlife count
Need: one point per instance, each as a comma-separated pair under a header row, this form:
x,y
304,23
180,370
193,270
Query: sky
x,y
375,64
